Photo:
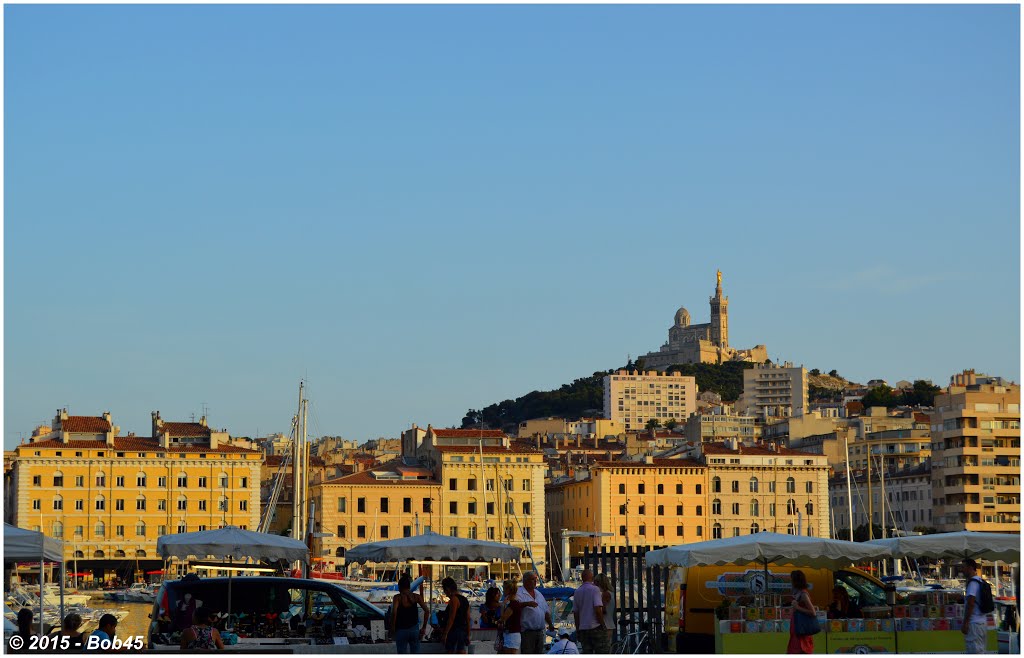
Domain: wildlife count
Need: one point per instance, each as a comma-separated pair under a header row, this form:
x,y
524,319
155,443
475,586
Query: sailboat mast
x,y
296,472
849,486
305,521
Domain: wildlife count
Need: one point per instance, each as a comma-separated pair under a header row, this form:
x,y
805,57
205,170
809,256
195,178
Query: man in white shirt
x,y
975,626
534,619
564,645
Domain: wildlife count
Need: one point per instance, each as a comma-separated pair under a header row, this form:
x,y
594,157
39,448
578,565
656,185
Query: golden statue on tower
x,y
719,277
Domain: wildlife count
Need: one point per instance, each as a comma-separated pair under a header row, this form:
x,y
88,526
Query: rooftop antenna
x,y
206,409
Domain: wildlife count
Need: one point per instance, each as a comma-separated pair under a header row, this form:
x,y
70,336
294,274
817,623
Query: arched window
x,y
101,503
716,484
182,503
140,529
790,485
472,531
754,528
140,553
340,552
97,553
101,479
753,485
58,529
224,480
716,506
790,507
789,529
222,504
140,479
119,553
79,554
58,502
810,509
101,530
140,503
58,479
755,508
716,531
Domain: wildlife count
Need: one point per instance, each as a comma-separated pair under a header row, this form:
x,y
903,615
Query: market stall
x,y
753,616
23,545
929,622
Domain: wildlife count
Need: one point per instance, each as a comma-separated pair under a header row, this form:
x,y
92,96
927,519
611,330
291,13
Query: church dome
x,y
682,318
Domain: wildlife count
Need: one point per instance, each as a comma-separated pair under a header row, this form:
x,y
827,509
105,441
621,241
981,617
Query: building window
x,y
735,509
245,483
426,504
753,485
37,504
735,486
361,531
119,481
622,488
641,488
490,485
679,489
140,529
453,484
119,505
202,482
755,508
161,482
716,531
182,481
679,531
810,509
453,531
790,485
384,505
716,507
119,531
661,531
622,530
223,481
101,480
58,480
407,505
754,528
771,486
342,504
700,531
182,528
182,504
716,485
472,532
490,509
385,532
643,510
101,504
810,487
490,534
526,485
341,532
526,508
700,510
661,510
790,507
361,505
161,530
679,510
37,480
661,488
100,530
140,480
243,505
79,480
202,505
161,505
789,529
471,509
407,531
453,507
79,505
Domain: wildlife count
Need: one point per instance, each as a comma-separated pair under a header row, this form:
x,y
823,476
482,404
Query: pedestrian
x,y
405,618
588,613
975,624
490,615
201,636
604,583
455,635
512,618
106,631
801,605
564,644
69,629
534,618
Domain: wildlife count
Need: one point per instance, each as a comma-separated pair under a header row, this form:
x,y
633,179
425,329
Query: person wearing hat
x,y
564,644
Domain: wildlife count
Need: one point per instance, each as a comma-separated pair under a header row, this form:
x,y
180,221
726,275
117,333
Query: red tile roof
x,y
186,429
85,424
515,447
135,444
471,434
722,449
921,417
658,463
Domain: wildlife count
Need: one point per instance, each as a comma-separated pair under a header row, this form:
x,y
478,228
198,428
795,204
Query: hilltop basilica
x,y
702,343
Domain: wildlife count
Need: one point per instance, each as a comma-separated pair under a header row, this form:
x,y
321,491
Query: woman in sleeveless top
x,y
604,583
201,636
405,620
802,603
455,635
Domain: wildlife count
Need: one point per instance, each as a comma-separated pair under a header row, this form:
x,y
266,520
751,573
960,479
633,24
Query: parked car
x,y
262,607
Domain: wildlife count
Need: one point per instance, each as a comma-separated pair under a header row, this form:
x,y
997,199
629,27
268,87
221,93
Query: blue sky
x,y
427,209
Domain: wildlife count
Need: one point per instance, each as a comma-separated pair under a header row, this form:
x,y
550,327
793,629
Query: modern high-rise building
x,y
976,456
632,398
771,391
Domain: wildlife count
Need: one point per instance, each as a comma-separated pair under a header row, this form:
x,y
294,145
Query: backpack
x,y
985,602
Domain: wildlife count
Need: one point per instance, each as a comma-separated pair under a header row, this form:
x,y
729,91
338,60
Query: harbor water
x,y
137,621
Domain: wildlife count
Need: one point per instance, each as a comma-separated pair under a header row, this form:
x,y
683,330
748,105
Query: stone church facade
x,y
702,343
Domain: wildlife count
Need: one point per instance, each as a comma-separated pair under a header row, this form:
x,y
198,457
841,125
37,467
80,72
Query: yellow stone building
x,y
110,497
653,502
464,483
631,398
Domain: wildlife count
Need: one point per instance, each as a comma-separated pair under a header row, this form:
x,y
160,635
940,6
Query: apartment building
x,y
719,424
765,487
110,497
558,428
901,497
976,456
651,502
771,391
632,398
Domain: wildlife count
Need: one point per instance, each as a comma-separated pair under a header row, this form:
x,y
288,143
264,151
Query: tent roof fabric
x,y
965,544
21,545
770,547
432,546
232,542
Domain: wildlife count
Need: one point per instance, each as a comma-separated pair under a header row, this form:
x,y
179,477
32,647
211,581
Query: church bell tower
x,y
719,316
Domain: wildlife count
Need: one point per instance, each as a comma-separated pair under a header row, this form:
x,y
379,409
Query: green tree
x,y
653,424
815,372
880,396
671,424
833,373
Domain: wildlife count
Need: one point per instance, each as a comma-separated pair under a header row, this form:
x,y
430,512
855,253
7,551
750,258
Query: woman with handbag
x,y
804,623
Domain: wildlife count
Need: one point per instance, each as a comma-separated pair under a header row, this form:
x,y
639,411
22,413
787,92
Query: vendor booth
x,y
21,545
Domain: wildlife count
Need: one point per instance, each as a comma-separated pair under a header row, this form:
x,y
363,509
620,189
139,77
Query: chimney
x,y
578,444
649,460
537,440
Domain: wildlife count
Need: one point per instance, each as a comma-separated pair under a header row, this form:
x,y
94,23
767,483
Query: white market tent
x,y
432,546
21,545
768,548
966,544
232,542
